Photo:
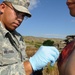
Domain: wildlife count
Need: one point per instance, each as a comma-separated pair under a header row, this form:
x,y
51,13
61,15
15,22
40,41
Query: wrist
x,y
28,67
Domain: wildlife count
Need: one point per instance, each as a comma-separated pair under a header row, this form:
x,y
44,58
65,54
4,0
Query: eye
x,y
23,15
16,11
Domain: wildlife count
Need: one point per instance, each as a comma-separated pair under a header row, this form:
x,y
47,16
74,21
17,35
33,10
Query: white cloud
x,y
33,4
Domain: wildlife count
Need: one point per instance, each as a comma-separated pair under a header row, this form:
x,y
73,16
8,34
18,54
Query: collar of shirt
x,y
3,30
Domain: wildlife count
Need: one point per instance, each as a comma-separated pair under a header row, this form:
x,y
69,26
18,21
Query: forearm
x,y
28,67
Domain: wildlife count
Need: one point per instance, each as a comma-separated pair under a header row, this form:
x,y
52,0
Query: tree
x,y
48,43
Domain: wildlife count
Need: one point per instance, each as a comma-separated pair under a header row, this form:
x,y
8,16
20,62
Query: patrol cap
x,y
21,5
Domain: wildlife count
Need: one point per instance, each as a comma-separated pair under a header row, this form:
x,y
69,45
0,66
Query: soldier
x,y
13,58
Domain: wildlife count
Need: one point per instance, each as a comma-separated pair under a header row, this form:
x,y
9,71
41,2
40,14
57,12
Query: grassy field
x,y
33,44
51,70
48,70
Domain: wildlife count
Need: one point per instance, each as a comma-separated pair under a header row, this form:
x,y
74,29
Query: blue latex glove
x,y
43,56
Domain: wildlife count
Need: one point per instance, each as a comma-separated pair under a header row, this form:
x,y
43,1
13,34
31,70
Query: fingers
x,y
52,62
54,49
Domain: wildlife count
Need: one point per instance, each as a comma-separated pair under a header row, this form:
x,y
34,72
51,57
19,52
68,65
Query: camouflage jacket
x,y
12,52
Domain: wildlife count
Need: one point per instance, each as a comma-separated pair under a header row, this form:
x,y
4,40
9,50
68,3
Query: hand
x,y
43,56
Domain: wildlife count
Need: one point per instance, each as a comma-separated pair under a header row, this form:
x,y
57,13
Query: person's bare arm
x,y
28,67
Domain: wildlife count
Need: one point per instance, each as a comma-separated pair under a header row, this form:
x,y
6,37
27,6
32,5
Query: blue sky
x,y
50,19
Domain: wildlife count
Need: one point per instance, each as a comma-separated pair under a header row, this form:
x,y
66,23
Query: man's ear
x,y
2,7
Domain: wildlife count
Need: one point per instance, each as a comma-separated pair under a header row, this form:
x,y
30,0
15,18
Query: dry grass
x,y
48,70
31,49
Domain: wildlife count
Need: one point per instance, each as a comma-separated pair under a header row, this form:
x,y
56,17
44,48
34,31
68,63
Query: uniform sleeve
x,y
14,69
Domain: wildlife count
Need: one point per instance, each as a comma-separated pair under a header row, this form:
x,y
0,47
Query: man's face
x,y
71,6
11,18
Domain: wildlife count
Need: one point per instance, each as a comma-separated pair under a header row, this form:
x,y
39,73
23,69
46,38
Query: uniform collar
x,y
3,30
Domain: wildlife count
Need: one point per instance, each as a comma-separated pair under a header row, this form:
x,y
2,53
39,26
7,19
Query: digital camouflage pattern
x,y
24,3
15,69
11,59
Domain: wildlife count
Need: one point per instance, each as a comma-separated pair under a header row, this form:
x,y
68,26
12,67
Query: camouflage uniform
x,y
11,56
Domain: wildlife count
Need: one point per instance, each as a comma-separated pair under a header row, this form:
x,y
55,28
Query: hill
x,y
33,43
29,39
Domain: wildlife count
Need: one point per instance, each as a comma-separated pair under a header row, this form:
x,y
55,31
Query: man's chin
x,y
72,14
11,29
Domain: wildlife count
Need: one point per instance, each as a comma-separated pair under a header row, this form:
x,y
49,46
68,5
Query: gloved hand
x,y
43,56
